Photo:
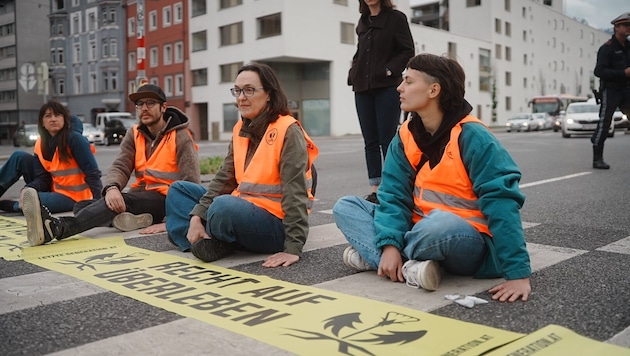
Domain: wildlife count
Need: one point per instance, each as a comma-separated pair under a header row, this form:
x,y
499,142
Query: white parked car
x,y
543,121
521,122
581,119
93,134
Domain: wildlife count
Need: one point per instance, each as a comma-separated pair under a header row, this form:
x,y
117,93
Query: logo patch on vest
x,y
271,136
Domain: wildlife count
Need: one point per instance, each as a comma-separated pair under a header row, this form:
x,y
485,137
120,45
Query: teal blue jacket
x,y
495,178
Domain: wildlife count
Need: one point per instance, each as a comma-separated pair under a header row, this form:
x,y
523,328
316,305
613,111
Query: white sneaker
x,y
129,222
422,274
352,259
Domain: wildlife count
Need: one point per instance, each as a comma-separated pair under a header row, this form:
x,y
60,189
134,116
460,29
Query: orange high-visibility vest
x,y
160,170
260,183
447,186
67,178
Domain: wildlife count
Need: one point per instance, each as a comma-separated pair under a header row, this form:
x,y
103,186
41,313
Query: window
x,y
452,50
105,82
131,61
112,16
525,82
230,117
77,84
200,77
60,29
508,29
199,42
166,16
178,13
179,52
92,21
230,34
76,58
154,81
524,36
113,48
60,55
347,33
61,87
179,85
470,3
508,79
75,25
53,57
92,84
484,69
131,27
497,25
508,103
92,54
229,3
229,71
153,20
114,79
507,5
168,85
269,26
153,57
198,7
525,59
497,51
105,52
168,54
341,2
524,12
508,53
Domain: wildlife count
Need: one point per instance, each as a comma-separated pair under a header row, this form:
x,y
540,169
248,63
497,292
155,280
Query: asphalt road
x,y
577,230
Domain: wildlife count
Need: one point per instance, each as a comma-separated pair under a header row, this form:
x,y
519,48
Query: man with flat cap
x,y
613,70
160,150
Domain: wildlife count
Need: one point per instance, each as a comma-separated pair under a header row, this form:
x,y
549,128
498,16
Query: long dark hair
x,y
385,4
278,102
62,136
446,72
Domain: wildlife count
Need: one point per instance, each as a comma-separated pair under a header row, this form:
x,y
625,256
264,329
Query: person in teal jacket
x,y
449,198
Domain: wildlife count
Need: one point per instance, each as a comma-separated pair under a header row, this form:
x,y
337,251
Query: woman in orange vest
x,y
260,198
449,199
62,169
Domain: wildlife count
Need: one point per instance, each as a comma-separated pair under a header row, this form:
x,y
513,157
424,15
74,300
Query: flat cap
x,y
623,18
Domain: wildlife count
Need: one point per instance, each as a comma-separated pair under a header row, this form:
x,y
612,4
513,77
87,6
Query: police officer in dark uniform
x,y
613,70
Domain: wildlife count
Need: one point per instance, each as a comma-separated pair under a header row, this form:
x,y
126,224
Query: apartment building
x,y
165,33
87,61
511,51
23,57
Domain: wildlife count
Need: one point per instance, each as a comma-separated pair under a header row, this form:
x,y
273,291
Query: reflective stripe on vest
x,y
160,170
260,183
67,178
445,186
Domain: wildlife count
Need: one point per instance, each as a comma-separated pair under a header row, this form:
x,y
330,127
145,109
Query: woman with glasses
x,y
260,198
62,170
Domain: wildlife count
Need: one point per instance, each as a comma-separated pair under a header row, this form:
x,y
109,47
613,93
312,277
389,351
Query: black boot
x,y
598,158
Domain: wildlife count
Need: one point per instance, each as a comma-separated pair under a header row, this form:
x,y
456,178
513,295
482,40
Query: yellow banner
x,y
553,340
300,319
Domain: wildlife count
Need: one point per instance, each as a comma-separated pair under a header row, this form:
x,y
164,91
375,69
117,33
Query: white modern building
x,y
511,51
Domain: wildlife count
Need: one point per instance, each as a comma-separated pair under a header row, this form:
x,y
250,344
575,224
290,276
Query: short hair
x,y
385,4
446,72
57,108
278,102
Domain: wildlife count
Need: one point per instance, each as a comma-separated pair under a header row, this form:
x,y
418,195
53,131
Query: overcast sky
x,y
598,13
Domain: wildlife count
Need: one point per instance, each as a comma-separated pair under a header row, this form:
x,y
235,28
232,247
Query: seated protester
x,y
449,196
160,150
63,169
260,198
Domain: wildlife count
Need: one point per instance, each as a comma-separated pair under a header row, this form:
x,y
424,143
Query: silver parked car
x,y
26,135
522,122
93,134
581,119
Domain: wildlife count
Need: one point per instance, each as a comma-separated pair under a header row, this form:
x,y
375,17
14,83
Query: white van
x,y
114,125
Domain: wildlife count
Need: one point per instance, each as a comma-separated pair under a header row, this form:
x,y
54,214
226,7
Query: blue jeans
x,y
228,218
379,116
20,164
441,236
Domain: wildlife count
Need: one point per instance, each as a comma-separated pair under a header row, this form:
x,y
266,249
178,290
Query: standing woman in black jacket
x,y
385,45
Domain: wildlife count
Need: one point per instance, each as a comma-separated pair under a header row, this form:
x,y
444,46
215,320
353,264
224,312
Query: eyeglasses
x,y
248,92
149,103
